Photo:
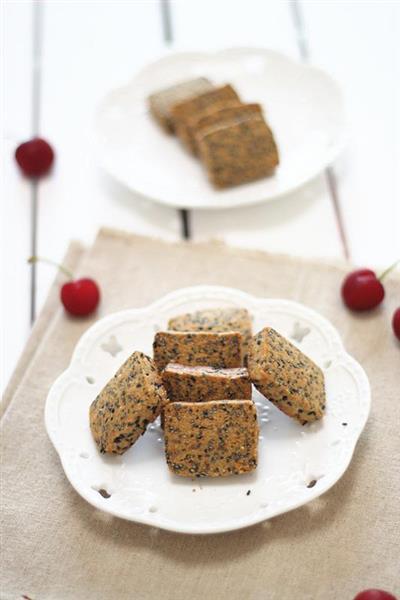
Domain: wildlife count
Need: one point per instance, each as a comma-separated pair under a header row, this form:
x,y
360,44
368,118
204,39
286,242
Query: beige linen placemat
x,y
58,547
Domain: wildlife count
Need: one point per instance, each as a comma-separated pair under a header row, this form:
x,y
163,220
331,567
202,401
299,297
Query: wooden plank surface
x,y
16,194
358,43
91,47
282,225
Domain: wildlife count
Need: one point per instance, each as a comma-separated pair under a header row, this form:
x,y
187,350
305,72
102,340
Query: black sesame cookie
x,y
231,113
284,375
216,319
183,112
131,400
238,151
200,384
186,129
211,439
161,102
222,350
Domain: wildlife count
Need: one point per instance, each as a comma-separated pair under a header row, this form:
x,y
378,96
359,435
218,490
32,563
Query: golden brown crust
x,y
211,439
221,114
131,400
216,319
286,376
183,112
223,350
201,384
238,151
227,113
161,102
188,108
186,129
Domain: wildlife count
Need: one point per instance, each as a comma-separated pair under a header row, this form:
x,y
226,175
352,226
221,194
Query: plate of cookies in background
x,y
208,411
236,127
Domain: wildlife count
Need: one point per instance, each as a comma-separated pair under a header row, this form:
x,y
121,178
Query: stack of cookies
x,y
199,385
231,138
210,422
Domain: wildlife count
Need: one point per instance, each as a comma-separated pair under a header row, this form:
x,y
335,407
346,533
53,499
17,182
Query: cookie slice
x,y
211,439
201,384
183,112
238,151
161,102
216,319
222,350
225,114
286,376
131,400
186,129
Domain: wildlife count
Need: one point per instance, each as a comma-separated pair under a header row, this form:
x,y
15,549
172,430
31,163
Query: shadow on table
x,y
264,216
206,224
204,549
157,215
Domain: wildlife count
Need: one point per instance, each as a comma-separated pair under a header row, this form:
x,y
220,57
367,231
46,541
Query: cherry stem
x,y
35,259
387,271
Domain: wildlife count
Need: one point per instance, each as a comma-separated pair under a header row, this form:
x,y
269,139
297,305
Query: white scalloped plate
x,y
302,103
138,483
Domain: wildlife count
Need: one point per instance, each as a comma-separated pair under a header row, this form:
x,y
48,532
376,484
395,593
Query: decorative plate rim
x,y
329,157
164,303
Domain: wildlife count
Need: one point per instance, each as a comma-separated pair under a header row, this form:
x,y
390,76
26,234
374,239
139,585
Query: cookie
x,y
238,151
131,400
222,350
216,319
286,376
186,129
228,113
201,384
161,102
183,112
211,439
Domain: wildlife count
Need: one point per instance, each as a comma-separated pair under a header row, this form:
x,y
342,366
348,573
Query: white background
x,y
59,58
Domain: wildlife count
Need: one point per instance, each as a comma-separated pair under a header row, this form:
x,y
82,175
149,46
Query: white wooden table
x,y
61,57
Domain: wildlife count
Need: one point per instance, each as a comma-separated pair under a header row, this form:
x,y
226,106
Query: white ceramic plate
x,y
291,457
302,103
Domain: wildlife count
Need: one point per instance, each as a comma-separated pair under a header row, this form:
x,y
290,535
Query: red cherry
x,y
374,595
80,297
362,290
34,157
396,323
